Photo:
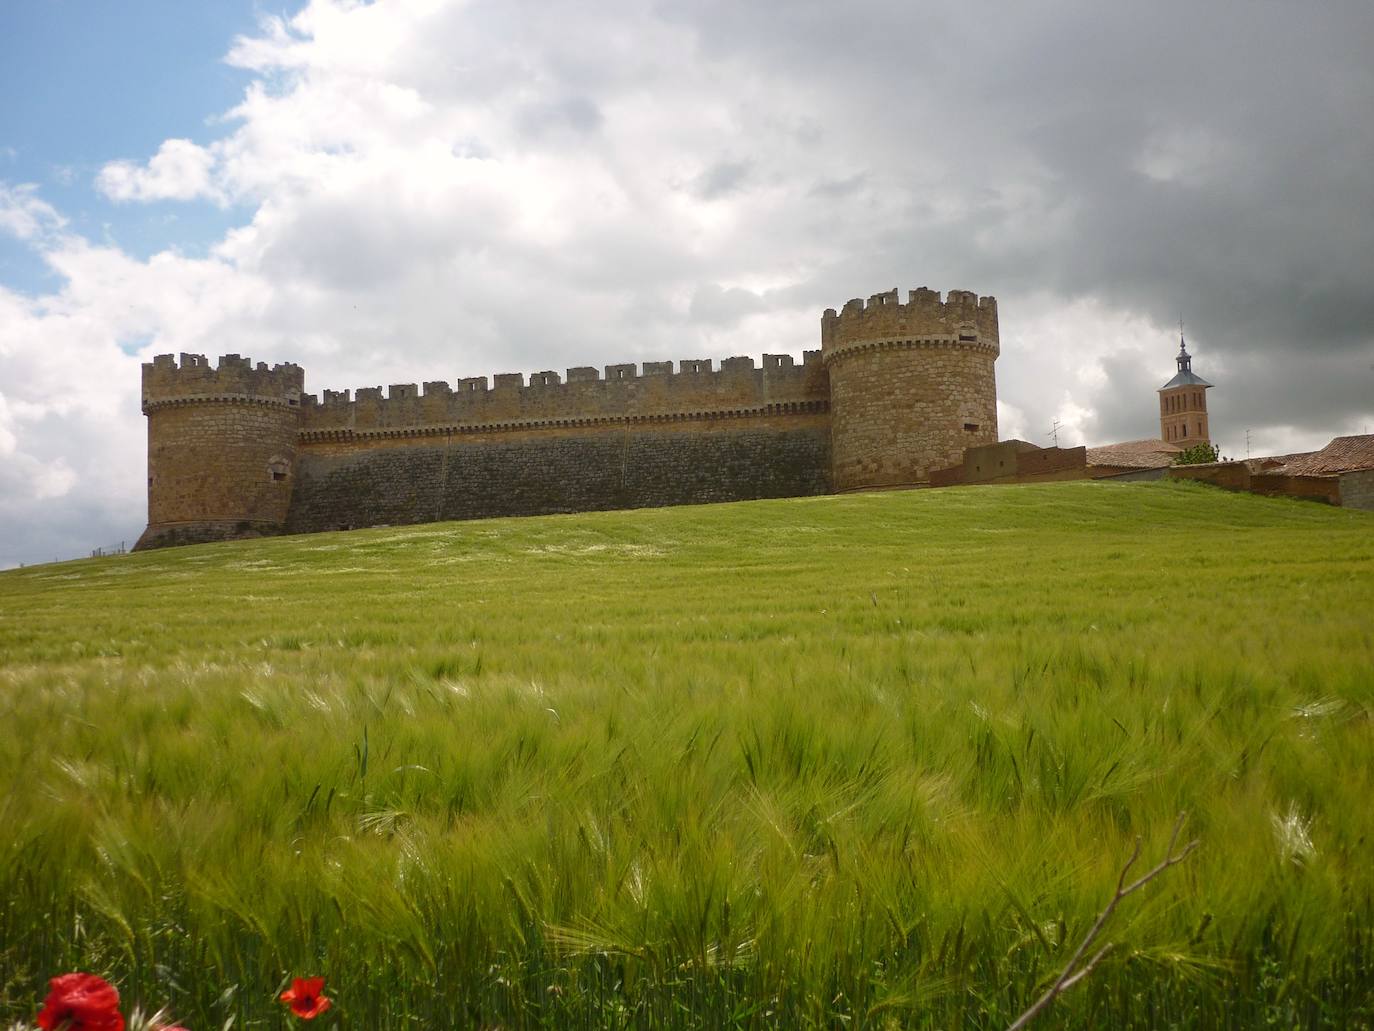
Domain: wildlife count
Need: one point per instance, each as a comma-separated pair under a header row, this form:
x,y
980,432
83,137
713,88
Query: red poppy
x,y
306,996
81,1002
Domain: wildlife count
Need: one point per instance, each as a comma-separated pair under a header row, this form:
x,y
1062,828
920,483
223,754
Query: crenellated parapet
x,y
584,395
194,380
963,320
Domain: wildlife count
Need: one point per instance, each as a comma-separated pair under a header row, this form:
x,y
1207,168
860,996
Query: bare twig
x,y
1076,970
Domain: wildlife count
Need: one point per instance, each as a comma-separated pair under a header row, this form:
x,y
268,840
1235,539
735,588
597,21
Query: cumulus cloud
x,y
180,170
436,188
24,215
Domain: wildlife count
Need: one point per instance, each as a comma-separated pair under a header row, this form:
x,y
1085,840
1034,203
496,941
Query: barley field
x,y
861,761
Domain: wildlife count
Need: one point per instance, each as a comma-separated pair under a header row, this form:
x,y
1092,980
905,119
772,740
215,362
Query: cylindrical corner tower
x,y
911,385
221,448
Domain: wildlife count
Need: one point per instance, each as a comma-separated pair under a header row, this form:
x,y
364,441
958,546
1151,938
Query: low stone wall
x,y
1012,461
1357,489
173,535
1237,476
1310,488
1231,475
1135,475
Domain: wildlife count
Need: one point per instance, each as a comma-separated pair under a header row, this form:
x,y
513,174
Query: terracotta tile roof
x,y
1274,463
1134,454
1341,455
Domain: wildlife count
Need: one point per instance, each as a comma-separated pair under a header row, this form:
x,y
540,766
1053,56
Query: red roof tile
x,y
1341,455
1134,454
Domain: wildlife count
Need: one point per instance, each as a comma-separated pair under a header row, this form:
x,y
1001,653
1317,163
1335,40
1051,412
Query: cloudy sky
x,y
421,189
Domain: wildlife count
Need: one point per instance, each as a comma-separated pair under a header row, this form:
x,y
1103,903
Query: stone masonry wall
x,y
1237,476
911,385
476,475
899,415
548,400
221,447
623,440
218,470
1357,489
1230,475
1312,488
1011,461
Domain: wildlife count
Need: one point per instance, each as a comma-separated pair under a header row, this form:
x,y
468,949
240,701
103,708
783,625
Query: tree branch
x,y
1076,970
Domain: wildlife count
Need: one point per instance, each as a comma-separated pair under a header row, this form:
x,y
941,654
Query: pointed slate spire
x,y
1185,377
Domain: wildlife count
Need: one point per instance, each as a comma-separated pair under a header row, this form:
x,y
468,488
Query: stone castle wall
x,y
894,391
477,475
584,399
624,439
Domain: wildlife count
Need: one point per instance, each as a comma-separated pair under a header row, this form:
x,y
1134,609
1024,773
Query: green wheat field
x,y
861,761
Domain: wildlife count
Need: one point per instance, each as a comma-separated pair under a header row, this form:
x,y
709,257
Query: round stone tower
x,y
911,385
221,448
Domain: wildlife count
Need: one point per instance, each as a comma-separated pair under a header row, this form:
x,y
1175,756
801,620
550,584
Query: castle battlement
x,y
234,379
962,320
624,390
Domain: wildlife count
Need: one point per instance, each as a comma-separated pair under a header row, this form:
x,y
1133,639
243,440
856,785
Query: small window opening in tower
x,y
972,427
967,338
278,474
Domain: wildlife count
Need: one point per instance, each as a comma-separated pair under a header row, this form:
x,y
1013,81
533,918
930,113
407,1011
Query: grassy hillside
x,y
871,760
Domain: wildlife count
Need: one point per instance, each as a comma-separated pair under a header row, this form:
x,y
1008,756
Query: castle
x,y
896,391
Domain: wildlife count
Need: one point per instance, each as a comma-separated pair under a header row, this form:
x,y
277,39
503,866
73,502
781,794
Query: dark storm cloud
x,y
1210,160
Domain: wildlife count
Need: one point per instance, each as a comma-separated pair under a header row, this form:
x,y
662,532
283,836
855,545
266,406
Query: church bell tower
x,y
1183,404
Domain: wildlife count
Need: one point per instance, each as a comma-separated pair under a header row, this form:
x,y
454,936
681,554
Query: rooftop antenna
x,y
1247,443
1054,432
